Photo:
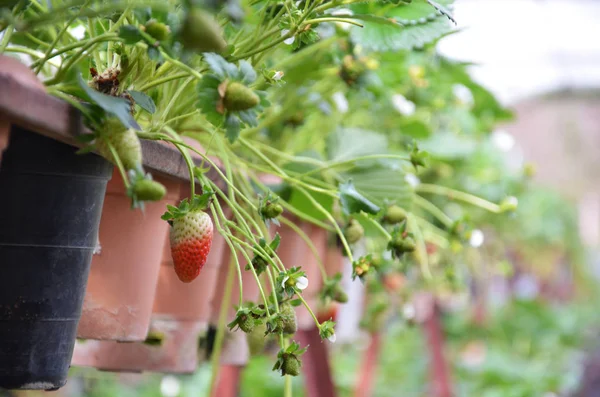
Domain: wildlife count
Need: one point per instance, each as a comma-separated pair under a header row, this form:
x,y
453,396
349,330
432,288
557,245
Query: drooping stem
x,y
458,195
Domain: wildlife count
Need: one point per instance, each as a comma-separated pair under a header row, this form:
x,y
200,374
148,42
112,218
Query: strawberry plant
x,y
338,114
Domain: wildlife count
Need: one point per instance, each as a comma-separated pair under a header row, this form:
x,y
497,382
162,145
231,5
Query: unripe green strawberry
x,y
191,237
124,141
157,30
402,245
201,32
394,215
291,365
271,210
339,295
287,319
239,97
149,190
354,231
246,323
257,339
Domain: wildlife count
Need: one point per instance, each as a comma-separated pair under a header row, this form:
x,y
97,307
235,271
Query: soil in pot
x,y
51,200
122,284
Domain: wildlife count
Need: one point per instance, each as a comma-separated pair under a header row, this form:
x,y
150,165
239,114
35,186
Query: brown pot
x,y
334,260
22,74
295,252
180,301
176,353
235,347
122,283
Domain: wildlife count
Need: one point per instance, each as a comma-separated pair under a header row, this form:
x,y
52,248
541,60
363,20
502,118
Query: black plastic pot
x,y
50,205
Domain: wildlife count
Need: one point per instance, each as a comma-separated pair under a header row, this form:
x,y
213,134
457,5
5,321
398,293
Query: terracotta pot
x,y
295,252
176,353
180,315
122,284
334,260
180,301
235,349
24,75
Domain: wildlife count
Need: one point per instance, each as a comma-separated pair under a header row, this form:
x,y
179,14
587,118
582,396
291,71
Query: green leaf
x,y
449,146
247,72
216,63
144,101
353,202
442,10
275,242
153,53
118,107
130,34
232,127
383,184
201,201
374,19
348,143
378,37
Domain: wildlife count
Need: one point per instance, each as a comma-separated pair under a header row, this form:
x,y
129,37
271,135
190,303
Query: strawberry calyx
x,y
247,318
197,203
288,359
260,262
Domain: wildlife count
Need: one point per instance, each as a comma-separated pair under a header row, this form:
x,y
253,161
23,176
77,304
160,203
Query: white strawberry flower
x,y
341,103
290,40
477,238
278,75
302,283
403,105
332,338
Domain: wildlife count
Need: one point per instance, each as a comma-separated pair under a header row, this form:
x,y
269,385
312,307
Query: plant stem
x,y
332,220
308,242
327,19
380,228
458,195
216,354
433,210
421,247
225,234
163,80
312,314
355,159
6,38
181,65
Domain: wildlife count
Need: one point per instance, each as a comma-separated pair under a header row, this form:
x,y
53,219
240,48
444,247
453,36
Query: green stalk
x,y
310,244
423,257
433,210
216,354
453,194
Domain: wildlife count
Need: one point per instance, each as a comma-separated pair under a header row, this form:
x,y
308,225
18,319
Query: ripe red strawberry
x,y
191,237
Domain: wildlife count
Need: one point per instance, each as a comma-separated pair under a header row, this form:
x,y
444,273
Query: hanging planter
x,y
235,347
17,71
48,231
4,135
170,348
122,283
180,315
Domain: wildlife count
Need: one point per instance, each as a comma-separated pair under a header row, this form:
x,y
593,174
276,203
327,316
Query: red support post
x,y
438,365
367,374
318,379
228,381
